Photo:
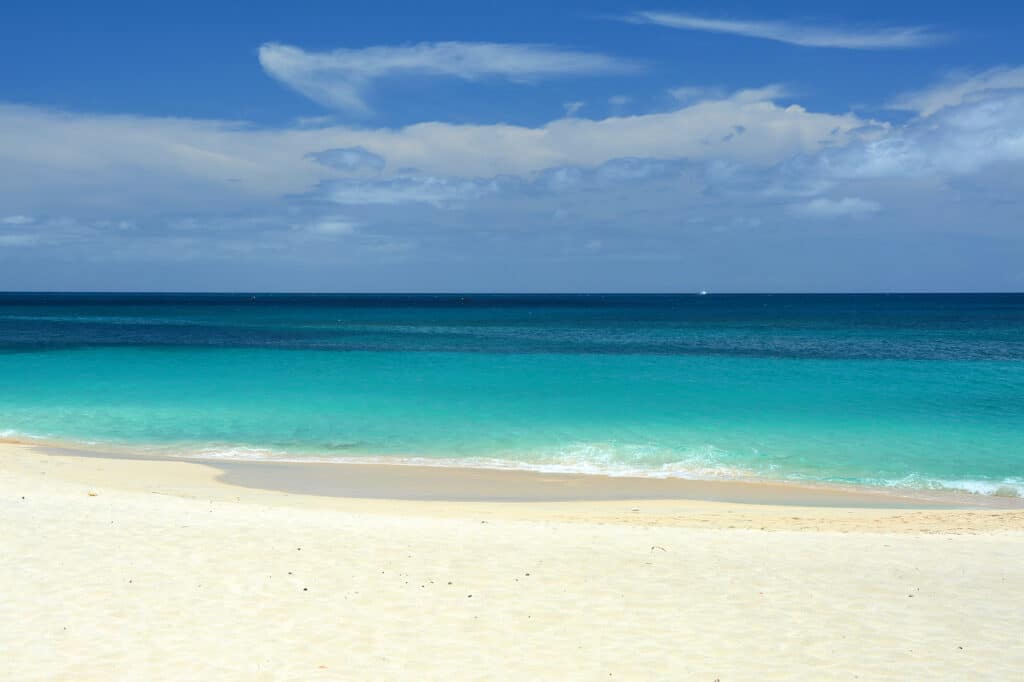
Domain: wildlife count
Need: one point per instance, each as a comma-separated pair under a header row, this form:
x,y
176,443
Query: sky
x,y
512,147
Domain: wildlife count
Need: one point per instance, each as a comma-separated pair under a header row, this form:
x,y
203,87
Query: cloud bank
x,y
90,160
726,182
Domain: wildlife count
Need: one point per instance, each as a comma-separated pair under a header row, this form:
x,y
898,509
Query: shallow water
x,y
904,390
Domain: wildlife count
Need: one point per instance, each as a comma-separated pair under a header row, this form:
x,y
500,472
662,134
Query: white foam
x,y
11,434
1008,487
240,452
578,458
599,459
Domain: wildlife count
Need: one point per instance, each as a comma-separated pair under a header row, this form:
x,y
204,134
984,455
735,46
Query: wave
x,y
581,458
1007,487
597,459
699,464
13,435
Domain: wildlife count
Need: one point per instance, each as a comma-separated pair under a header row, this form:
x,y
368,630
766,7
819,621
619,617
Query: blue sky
x,y
599,146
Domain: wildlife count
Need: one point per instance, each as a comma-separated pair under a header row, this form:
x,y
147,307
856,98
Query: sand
x,y
141,570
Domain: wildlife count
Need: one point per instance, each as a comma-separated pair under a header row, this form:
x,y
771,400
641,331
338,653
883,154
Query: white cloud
x,y
339,78
19,240
609,174
331,227
971,150
691,94
960,88
571,108
136,166
728,178
619,100
349,159
437,191
20,230
956,140
835,208
797,34
731,161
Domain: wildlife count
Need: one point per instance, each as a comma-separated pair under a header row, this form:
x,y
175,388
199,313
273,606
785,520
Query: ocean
x,y
908,391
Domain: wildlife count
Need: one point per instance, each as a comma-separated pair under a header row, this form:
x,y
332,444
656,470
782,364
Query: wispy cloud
x,y
956,140
339,78
331,227
18,240
349,159
959,88
436,191
690,94
823,207
572,108
804,35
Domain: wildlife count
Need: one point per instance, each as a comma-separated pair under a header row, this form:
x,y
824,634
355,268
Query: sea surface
x,y
914,391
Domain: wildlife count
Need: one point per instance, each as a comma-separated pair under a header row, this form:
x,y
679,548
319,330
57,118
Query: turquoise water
x,y
915,391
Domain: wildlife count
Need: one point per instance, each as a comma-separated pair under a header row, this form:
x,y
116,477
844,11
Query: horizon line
x,y
214,292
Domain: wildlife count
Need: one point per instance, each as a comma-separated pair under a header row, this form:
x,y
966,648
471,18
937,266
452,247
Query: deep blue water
x,y
914,390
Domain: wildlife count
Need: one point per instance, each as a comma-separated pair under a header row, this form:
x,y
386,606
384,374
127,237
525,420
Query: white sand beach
x,y
120,569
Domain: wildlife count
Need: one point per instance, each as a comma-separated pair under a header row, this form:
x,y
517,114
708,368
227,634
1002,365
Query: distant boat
x,y
703,292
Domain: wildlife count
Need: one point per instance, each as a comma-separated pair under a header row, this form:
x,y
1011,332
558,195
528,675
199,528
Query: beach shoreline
x,y
449,480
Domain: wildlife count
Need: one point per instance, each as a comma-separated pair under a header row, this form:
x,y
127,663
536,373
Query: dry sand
x,y
168,572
